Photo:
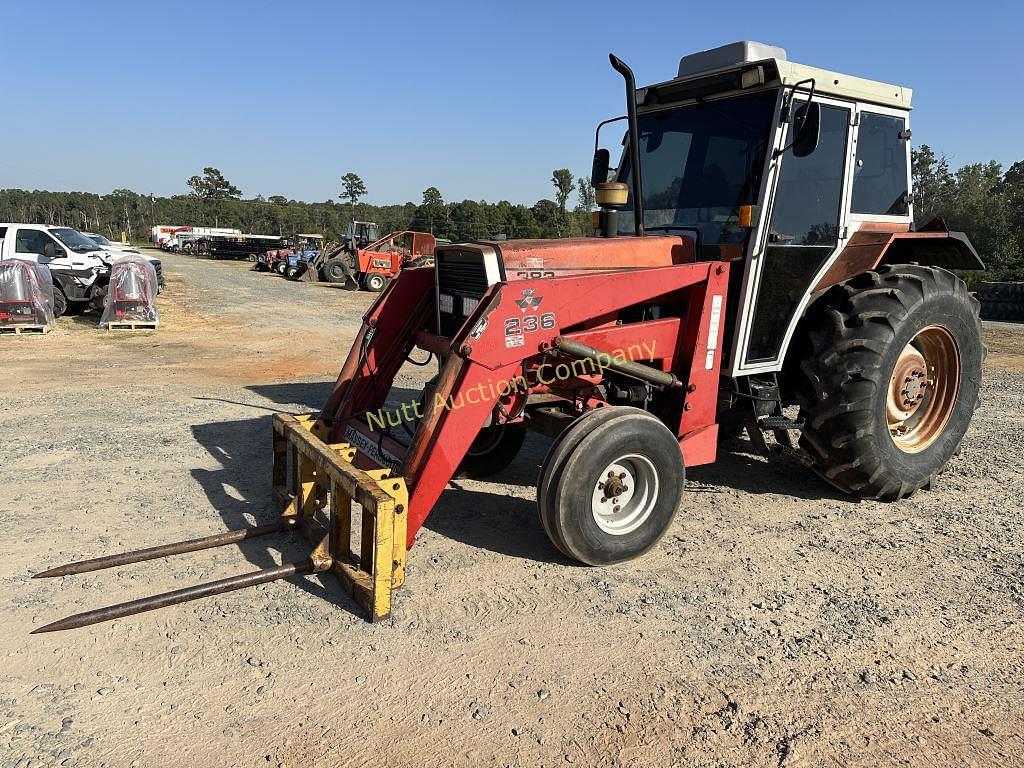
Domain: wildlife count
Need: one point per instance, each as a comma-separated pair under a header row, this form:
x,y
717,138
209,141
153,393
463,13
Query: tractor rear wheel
x,y
493,449
889,377
611,485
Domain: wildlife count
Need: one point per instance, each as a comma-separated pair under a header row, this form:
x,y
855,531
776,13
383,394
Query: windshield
x,y
74,240
701,162
99,239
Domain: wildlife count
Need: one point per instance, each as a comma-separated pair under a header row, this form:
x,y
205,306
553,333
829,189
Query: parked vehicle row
x,y
79,265
362,257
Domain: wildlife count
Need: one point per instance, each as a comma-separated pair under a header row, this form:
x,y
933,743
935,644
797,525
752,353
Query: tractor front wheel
x,y
375,282
292,271
889,377
280,266
610,485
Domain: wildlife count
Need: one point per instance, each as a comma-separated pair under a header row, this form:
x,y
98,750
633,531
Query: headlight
x,y
446,303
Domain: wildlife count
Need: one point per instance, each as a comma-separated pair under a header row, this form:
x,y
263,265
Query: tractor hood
x,y
525,259
466,271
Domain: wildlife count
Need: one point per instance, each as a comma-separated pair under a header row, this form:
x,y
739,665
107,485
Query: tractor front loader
x,y
754,266
372,265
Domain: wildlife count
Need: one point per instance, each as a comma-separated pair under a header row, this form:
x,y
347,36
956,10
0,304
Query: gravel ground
x,y
777,624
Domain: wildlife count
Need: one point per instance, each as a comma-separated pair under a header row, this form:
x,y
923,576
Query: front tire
x,y
889,378
375,282
611,485
60,302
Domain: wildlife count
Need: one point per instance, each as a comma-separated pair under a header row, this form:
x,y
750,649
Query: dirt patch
x,y
777,624
1005,342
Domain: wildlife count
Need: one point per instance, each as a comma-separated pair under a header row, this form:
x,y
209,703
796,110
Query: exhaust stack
x,y
634,142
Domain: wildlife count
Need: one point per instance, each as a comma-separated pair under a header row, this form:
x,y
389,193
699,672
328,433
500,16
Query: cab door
x,y
36,245
806,226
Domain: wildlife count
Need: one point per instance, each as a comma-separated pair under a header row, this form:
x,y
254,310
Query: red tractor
x,y
372,266
277,259
756,265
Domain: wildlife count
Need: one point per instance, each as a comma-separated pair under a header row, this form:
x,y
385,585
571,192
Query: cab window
x,y
32,241
880,171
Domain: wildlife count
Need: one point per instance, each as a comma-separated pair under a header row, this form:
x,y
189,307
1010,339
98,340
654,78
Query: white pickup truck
x,y
79,267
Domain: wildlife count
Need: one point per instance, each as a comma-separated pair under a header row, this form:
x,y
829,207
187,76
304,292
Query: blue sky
x,y
481,99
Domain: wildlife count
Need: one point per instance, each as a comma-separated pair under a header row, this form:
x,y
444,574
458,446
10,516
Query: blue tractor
x,y
308,249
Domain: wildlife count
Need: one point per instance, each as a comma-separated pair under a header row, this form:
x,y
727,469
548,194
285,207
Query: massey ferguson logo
x,y
529,301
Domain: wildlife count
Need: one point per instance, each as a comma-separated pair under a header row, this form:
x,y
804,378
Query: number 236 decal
x,y
515,326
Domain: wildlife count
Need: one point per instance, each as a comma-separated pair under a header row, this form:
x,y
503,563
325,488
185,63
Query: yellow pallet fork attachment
x,y
311,475
317,489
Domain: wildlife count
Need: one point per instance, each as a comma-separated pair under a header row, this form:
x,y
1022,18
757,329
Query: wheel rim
x,y
625,494
923,389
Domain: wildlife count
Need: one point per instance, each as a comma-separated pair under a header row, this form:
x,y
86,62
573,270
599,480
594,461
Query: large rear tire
x,y
615,490
1004,311
888,378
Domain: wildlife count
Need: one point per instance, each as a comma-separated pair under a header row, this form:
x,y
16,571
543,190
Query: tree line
x,y
215,201
980,199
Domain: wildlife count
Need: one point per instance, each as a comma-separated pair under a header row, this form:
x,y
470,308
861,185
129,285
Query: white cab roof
x,y
779,70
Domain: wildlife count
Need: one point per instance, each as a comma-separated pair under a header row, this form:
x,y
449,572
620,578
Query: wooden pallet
x,y
132,325
19,329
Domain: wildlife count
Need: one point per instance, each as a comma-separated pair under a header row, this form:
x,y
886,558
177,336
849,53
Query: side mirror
x,y
807,124
599,171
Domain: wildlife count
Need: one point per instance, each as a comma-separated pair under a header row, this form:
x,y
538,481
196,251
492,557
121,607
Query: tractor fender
x,y
933,245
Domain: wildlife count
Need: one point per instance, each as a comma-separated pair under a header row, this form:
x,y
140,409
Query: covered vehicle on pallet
x,y
131,295
26,297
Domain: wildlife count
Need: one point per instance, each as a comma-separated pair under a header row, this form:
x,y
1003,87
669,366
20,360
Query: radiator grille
x,y
459,275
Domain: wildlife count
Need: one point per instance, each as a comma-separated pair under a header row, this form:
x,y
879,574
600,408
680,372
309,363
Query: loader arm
x,y
482,361
359,495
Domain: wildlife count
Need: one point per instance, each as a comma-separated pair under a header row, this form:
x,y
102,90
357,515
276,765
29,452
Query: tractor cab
x,y
361,233
772,165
